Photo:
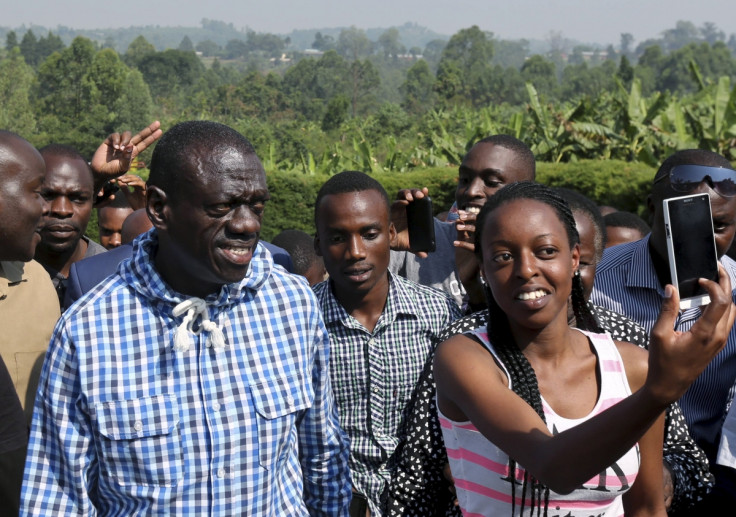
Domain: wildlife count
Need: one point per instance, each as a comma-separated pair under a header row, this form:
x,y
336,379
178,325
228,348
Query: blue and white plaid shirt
x,y
124,424
626,282
375,375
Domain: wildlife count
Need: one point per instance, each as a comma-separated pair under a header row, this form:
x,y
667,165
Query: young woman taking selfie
x,y
541,418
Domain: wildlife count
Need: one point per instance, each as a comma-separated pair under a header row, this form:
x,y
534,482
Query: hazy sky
x,y
593,21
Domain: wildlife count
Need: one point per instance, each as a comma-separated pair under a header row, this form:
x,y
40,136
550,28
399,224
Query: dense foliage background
x,y
404,104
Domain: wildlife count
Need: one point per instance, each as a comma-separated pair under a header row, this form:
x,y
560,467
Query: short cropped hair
x,y
300,246
65,151
170,155
522,151
349,181
581,203
623,219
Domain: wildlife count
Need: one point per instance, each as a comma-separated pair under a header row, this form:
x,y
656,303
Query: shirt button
x,y
289,400
220,473
138,426
216,406
371,342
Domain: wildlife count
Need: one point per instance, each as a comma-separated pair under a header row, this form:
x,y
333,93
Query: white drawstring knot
x,y
196,308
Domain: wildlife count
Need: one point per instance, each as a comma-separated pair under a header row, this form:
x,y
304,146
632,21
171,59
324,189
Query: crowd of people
x,y
536,362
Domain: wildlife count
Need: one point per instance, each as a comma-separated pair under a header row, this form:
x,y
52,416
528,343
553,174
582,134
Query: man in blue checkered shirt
x,y
193,381
383,330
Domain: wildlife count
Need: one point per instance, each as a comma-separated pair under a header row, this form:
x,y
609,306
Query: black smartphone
x,y
420,222
691,246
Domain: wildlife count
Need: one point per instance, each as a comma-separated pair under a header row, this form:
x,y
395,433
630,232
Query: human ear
x,y
575,255
392,234
156,206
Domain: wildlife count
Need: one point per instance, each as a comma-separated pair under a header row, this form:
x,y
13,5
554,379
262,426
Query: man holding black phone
x,y
630,279
383,331
491,163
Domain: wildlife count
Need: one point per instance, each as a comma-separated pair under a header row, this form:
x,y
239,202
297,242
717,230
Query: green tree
x,y
171,71
465,69
541,73
11,41
16,78
186,44
417,89
390,43
64,88
138,49
29,48
323,42
353,44
336,112
134,107
363,80
208,48
47,45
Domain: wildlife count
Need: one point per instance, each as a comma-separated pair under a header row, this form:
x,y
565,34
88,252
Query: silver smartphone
x,y
691,246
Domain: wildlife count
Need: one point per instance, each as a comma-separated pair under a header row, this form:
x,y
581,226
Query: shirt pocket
x,y
140,442
277,402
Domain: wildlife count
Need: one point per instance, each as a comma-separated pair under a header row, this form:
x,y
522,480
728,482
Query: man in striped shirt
x,y
630,280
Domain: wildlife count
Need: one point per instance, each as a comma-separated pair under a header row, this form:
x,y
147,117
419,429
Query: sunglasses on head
x,y
686,178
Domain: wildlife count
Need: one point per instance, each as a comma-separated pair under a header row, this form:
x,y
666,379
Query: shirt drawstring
x,y
196,308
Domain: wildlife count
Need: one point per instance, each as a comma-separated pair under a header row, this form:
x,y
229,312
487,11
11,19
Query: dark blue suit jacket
x,y
87,273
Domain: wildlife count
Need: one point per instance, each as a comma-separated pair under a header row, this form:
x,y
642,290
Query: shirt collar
x,y
11,272
642,272
399,302
139,272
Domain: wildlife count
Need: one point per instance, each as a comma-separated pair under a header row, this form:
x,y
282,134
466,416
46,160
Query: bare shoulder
x,y
462,358
636,363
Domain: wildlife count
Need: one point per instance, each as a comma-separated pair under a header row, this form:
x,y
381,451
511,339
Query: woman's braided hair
x,y
522,376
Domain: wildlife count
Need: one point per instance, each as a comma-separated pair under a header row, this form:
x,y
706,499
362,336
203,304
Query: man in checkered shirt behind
x,y
383,330
194,380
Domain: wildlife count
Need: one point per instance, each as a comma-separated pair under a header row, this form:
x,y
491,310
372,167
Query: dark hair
x,y
581,203
170,156
522,151
66,151
349,181
300,246
627,220
522,376
692,157
119,201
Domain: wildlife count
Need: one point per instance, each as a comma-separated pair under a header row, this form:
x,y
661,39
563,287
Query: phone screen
x,y
691,228
420,223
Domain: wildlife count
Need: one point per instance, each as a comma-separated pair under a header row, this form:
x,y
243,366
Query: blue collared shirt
x,y
375,375
127,425
626,282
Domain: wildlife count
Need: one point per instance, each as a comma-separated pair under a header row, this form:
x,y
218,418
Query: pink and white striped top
x,y
481,469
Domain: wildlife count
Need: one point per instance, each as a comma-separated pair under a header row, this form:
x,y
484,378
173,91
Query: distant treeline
x,y
376,105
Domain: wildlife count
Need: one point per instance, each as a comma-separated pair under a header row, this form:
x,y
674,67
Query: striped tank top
x,y
481,471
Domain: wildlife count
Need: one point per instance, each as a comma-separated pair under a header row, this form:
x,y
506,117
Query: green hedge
x,y
293,195
623,185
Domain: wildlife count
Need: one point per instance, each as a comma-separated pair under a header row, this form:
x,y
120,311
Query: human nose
x,y
525,266
244,221
356,247
475,189
60,207
115,240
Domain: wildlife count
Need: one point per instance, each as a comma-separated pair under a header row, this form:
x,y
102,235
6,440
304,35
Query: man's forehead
x,y
59,165
488,156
